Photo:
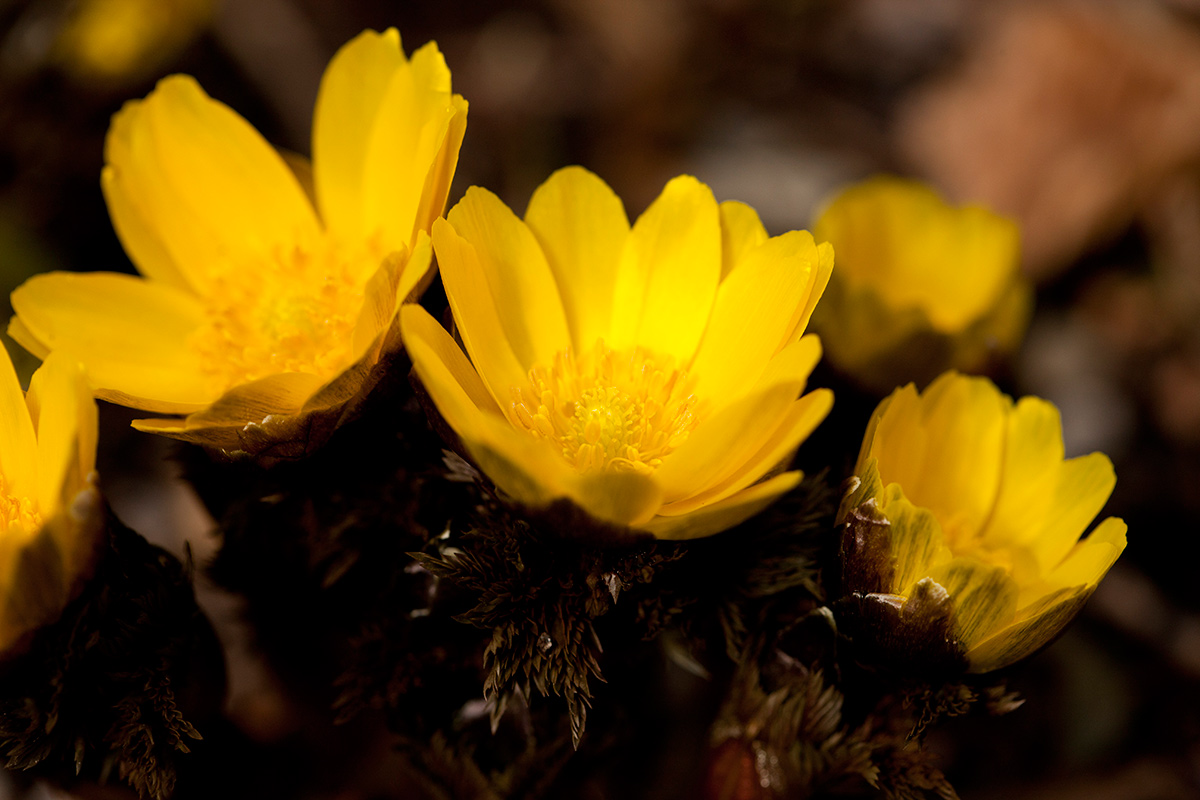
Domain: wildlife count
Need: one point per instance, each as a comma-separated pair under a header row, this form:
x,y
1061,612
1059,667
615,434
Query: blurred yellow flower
x,y
124,39
965,524
263,309
650,374
921,286
51,516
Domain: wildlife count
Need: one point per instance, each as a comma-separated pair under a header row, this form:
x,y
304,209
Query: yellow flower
x,y
117,40
51,516
921,286
651,375
263,310
966,521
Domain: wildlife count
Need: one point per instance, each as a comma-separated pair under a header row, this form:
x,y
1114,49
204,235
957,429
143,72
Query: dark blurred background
x,y
1081,119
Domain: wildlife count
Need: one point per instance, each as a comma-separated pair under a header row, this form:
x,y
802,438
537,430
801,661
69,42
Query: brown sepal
x,y
909,636
865,551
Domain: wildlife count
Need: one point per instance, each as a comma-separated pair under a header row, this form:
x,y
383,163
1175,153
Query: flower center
x,y
17,514
967,539
609,410
294,313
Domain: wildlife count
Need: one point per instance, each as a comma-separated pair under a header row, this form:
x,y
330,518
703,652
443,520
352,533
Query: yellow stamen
x,y
609,410
17,514
294,313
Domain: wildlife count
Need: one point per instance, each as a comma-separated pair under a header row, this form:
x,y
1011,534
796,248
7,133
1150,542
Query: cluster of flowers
x,y
652,373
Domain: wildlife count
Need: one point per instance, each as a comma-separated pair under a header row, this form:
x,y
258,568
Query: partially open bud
x,y
961,531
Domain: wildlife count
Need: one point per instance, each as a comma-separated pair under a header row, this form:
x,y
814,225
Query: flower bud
x,y
961,531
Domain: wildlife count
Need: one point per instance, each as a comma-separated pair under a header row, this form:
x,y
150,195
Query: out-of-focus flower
x,y
264,310
963,530
116,40
920,287
51,515
651,374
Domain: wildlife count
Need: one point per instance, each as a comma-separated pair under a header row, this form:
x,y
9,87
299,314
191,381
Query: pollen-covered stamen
x,y
608,409
17,514
294,313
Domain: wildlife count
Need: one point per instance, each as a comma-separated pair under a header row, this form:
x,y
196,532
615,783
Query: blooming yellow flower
x,y
965,509
650,374
263,310
921,286
50,512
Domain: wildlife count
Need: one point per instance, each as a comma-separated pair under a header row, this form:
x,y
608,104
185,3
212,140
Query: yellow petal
x,y
816,289
754,311
730,437
352,90
429,69
386,136
741,232
1083,487
130,334
1045,504
984,597
991,245
139,234
441,172
622,498
794,362
19,332
725,514
581,225
720,448
381,299
668,274
396,280
520,281
18,456
418,267
894,425
1033,456
526,469
948,458
916,542
66,430
1026,635
804,416
1091,558
192,178
476,314
451,381
404,142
